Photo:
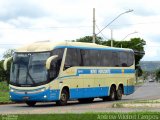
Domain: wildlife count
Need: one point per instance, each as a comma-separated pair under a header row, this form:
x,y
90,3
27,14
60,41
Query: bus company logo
x,y
100,71
93,71
104,71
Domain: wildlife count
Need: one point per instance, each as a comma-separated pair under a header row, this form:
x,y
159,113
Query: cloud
x,y
15,8
27,21
140,7
2,50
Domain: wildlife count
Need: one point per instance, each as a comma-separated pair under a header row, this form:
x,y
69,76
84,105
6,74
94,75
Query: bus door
x,y
73,79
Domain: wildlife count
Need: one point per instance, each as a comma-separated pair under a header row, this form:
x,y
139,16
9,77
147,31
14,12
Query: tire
x,y
112,95
31,103
86,100
64,98
119,93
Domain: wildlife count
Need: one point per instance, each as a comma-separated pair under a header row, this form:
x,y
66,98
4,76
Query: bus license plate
x,y
26,98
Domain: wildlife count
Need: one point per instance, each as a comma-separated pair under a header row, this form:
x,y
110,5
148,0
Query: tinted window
x,y
123,59
130,58
56,64
85,57
106,58
72,57
126,59
115,59
58,52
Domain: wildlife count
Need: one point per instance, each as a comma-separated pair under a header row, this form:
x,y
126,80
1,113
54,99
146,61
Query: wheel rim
x,y
63,97
119,93
113,94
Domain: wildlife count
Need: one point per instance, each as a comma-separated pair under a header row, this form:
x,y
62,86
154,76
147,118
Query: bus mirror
x,y
6,62
49,60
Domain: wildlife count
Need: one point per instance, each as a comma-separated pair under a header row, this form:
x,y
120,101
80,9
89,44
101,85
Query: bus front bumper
x,y
46,95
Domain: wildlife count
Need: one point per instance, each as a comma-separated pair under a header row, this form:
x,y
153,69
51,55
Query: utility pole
x,y
94,21
111,38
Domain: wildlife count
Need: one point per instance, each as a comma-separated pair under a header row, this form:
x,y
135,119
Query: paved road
x,y
147,91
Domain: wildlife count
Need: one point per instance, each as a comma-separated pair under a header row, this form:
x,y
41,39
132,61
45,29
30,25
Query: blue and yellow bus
x,y
46,71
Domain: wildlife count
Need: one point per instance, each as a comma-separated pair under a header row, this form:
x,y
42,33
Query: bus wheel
x,y
64,98
31,103
119,93
112,94
86,100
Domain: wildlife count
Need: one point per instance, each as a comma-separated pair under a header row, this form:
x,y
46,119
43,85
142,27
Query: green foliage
x,y
145,74
4,86
88,39
142,115
5,75
2,72
4,94
158,75
139,71
4,97
8,53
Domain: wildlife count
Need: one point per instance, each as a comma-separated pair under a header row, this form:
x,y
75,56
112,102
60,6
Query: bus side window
x,y
94,57
130,58
54,69
106,58
71,58
58,52
55,65
123,58
115,59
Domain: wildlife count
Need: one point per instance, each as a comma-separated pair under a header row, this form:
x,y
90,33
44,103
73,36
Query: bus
x,y
48,71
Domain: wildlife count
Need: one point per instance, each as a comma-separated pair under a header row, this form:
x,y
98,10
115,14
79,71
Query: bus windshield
x,y
28,69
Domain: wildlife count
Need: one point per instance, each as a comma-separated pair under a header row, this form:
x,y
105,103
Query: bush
x,y
158,75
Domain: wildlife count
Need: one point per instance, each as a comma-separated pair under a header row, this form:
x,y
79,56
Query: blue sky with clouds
x,y
27,21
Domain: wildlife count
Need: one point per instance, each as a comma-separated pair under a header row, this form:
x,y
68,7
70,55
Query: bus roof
x,y
48,46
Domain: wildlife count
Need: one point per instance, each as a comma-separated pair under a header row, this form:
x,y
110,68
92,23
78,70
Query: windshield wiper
x,y
28,74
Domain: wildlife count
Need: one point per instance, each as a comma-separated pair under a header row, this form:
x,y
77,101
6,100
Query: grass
x,y
148,101
121,104
87,116
4,97
4,86
4,93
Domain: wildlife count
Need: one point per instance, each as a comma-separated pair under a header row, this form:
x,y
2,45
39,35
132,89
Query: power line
x,y
136,24
101,33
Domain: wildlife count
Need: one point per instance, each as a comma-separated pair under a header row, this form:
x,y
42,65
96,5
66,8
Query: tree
x,y
2,72
158,75
5,75
8,53
88,39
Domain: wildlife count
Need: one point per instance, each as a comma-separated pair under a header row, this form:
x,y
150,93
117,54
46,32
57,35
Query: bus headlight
x,y
43,89
11,90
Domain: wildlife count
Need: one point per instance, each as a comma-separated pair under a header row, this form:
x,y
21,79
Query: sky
x,y
27,21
